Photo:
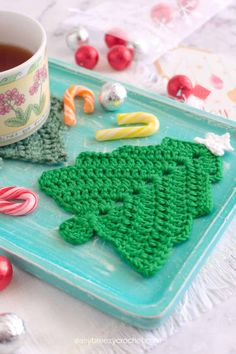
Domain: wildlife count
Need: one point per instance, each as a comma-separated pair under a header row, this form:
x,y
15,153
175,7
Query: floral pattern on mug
x,y
39,77
11,100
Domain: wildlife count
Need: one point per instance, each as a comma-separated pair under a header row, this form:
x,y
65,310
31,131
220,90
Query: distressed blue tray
x,y
93,272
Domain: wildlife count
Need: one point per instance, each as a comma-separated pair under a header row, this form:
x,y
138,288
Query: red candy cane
x,y
9,196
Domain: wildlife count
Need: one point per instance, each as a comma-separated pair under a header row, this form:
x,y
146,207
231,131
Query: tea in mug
x,y
11,56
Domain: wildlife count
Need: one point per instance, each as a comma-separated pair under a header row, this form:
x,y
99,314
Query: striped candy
x,y
151,125
69,106
28,201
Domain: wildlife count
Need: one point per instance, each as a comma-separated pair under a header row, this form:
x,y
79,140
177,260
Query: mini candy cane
x,y
151,126
69,106
28,201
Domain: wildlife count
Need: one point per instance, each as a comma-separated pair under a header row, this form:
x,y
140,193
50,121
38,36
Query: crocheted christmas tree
x,y
141,199
46,145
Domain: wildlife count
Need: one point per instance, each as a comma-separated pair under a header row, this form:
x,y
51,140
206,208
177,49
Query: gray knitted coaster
x,y
44,146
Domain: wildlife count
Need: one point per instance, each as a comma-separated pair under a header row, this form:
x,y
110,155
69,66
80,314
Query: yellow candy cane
x,y
151,125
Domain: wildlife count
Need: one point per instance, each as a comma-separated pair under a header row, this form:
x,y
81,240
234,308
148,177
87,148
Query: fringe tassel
x,y
215,283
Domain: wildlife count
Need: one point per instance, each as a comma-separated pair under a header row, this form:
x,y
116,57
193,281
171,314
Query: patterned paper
x,y
216,73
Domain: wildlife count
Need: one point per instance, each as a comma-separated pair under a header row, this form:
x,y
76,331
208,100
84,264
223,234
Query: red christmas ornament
x,y
179,87
161,13
6,272
115,37
86,56
120,57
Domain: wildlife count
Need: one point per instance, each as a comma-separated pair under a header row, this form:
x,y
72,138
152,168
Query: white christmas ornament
x,y
217,144
140,48
77,38
12,333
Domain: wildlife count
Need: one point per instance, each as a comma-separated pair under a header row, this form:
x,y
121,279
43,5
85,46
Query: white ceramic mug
x,y
24,89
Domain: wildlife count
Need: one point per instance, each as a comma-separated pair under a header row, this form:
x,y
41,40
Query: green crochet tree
x,y
141,199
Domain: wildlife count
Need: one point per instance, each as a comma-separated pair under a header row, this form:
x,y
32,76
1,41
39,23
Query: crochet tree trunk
x,y
141,199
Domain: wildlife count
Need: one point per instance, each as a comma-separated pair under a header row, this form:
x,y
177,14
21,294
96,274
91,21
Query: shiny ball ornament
x,y
120,57
179,87
12,333
112,96
86,56
161,13
115,37
77,38
6,272
139,48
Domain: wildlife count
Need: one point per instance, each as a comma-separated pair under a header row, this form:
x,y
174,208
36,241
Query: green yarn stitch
x,y
46,145
140,199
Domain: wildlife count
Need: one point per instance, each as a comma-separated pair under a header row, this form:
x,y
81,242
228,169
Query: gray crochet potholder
x,y
44,146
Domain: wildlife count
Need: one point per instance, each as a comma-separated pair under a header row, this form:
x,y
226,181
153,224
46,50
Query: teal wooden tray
x,y
93,272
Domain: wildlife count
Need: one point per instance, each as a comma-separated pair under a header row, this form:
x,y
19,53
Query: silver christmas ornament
x,y
112,96
12,333
140,48
77,38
